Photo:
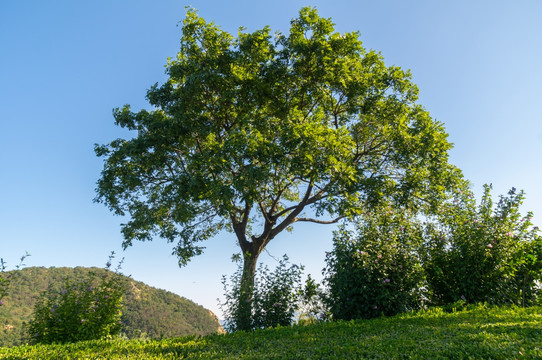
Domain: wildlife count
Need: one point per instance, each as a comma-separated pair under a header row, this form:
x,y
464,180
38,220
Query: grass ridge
x,y
480,332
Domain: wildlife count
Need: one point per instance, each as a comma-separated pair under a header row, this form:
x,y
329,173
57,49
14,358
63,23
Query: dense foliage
x,y
253,133
85,309
375,269
392,262
485,252
148,312
477,333
275,297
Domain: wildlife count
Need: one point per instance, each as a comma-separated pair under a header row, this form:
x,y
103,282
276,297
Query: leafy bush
x,y
86,309
274,300
312,308
5,280
146,311
375,269
479,254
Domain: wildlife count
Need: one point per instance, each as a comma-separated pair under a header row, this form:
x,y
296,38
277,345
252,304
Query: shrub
x,y
374,269
481,254
311,304
275,296
5,280
86,309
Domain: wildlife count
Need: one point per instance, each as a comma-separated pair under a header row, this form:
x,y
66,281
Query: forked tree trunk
x,y
251,251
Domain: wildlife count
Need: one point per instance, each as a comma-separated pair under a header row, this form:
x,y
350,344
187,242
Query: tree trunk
x,y
251,251
244,315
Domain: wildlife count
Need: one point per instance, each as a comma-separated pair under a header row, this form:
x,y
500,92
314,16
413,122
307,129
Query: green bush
x,y
312,307
5,280
274,300
483,254
375,269
86,309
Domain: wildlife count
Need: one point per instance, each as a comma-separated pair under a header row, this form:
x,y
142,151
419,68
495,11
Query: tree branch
x,y
320,221
296,211
265,213
311,200
240,226
246,214
287,210
179,154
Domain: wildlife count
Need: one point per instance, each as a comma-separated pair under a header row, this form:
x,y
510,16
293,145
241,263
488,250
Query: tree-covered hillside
x,y
148,312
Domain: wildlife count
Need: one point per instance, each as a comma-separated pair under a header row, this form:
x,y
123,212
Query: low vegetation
x,y
89,308
275,298
479,332
147,312
391,261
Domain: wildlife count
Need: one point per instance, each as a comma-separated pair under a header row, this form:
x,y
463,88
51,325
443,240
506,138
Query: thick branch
x,y
246,214
296,211
320,221
285,211
240,227
275,204
308,201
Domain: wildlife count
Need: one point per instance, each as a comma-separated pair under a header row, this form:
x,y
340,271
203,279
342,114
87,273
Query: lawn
x,y
480,333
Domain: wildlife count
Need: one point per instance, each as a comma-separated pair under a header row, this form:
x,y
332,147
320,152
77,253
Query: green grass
x,y
479,333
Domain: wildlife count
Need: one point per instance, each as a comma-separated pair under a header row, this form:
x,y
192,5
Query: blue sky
x,y
64,65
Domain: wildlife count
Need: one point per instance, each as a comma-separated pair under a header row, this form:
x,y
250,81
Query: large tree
x,y
253,133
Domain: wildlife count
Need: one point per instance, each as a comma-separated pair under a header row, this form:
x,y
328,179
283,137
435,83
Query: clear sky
x,y
64,65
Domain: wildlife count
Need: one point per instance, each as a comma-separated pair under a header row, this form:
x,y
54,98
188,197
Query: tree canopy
x,y
255,132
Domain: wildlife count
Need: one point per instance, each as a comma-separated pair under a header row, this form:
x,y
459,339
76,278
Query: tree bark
x,y
244,315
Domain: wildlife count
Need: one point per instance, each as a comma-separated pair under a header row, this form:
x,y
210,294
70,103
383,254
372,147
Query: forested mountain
x,y
148,312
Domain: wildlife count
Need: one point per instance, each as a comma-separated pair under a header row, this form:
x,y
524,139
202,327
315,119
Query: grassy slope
x,y
495,333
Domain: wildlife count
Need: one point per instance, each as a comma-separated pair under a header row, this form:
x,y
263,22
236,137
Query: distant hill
x,y
148,312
